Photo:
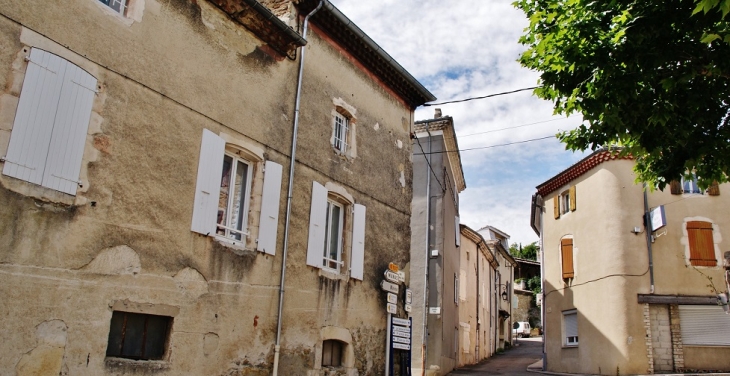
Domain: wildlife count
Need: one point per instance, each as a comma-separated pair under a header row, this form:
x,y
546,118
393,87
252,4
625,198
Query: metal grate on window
x,y
120,6
340,133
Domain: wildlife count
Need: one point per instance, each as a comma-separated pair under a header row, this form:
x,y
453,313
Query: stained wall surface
x,y
166,72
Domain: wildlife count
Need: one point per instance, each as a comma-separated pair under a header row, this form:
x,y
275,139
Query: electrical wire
x,y
490,146
516,126
429,165
482,97
596,280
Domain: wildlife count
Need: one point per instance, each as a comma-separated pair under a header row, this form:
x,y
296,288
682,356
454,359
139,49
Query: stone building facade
x,y
146,152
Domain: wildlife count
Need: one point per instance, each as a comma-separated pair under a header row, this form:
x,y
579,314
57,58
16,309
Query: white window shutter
x,y
269,221
33,125
317,223
457,232
207,189
357,260
70,127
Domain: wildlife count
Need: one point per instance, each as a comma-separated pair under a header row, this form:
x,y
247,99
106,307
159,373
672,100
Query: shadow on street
x,y
513,362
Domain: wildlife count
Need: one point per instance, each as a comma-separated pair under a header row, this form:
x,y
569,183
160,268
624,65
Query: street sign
x,y
392,308
434,310
401,334
401,340
402,276
390,287
391,276
401,322
409,296
402,329
401,346
408,307
392,298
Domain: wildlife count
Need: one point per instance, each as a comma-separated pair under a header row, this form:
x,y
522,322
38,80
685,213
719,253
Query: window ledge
x,y
570,346
331,274
123,363
239,248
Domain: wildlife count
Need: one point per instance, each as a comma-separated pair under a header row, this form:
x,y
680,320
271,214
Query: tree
x,y
529,252
650,76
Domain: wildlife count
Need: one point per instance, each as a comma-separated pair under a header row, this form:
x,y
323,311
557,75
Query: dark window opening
x,y
331,353
138,336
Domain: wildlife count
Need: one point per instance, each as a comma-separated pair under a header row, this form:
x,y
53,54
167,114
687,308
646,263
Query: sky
x,y
467,48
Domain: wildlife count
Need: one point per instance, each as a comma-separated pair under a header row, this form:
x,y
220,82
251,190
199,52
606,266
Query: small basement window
x,y
138,336
331,353
120,6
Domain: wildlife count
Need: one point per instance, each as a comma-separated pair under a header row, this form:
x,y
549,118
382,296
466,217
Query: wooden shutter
x,y
207,189
704,325
714,189
701,244
269,220
33,124
675,187
357,260
572,198
556,206
317,224
70,127
566,250
457,232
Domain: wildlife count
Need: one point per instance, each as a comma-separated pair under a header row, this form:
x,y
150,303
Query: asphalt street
x,y
512,362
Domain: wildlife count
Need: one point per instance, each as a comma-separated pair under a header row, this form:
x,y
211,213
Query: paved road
x,y
512,362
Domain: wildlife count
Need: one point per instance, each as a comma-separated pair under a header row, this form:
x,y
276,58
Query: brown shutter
x,y
714,189
556,206
566,250
572,198
675,187
701,245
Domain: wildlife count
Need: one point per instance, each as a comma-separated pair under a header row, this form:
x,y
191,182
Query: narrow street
x,y
513,362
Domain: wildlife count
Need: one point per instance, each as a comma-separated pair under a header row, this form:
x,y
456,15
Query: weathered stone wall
x,y
175,68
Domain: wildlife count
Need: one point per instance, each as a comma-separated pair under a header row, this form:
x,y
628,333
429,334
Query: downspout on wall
x,y
290,192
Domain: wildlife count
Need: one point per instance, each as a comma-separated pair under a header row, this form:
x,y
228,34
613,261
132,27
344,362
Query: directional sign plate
x,y
392,298
408,307
409,296
392,276
401,340
401,322
401,334
392,308
401,346
390,287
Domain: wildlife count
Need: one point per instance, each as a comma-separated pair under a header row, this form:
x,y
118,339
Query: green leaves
x,y
647,75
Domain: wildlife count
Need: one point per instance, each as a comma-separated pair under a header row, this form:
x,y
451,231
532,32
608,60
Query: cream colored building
x,y
621,299
147,202
503,292
478,322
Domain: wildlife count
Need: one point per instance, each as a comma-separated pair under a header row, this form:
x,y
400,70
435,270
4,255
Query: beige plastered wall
x,y
611,268
176,68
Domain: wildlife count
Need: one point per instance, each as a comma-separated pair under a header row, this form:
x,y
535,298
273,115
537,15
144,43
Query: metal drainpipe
x,y
428,254
290,193
647,225
542,289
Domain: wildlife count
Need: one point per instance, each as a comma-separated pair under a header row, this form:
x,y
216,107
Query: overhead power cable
x,y
482,97
490,146
513,127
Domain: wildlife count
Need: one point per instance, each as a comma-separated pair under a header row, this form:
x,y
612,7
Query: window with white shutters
x,y
51,123
223,194
330,236
570,327
704,325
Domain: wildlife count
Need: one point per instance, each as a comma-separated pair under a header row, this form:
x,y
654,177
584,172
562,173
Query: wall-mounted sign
x,y
408,307
658,218
401,340
401,276
401,322
391,308
401,346
391,276
390,287
409,296
392,298
393,267
434,310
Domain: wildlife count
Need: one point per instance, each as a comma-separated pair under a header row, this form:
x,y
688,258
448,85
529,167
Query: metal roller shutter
x,y
704,325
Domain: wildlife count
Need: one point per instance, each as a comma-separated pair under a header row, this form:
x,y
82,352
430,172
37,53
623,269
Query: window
x,y
570,327
333,237
565,201
456,289
701,243
331,353
138,336
336,225
120,6
690,185
51,123
233,202
566,256
704,325
340,132
226,176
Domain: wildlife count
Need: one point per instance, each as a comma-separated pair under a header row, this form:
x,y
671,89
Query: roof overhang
x,y
263,23
496,246
581,167
353,40
481,244
446,125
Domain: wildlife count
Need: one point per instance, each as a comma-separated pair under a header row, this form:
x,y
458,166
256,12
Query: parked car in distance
x,y
521,329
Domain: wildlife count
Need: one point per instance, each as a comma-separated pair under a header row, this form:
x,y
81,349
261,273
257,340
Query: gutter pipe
x,y
647,225
428,255
290,192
